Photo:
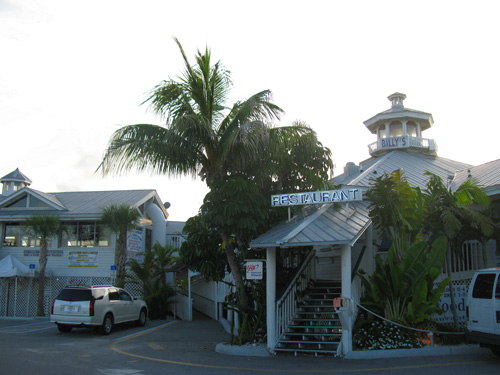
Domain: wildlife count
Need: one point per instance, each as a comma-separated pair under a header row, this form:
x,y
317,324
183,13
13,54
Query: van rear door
x,y
481,305
496,309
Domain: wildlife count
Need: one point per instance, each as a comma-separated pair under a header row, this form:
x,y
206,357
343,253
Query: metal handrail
x,y
286,305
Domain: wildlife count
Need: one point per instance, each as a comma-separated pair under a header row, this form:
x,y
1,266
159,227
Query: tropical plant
x,y
403,291
402,288
44,227
202,250
120,219
396,209
150,272
205,137
459,215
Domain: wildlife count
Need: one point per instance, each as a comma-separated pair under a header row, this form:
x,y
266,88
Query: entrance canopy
x,y
323,225
11,267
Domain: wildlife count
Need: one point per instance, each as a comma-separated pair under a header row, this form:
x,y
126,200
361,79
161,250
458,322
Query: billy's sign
x,y
317,197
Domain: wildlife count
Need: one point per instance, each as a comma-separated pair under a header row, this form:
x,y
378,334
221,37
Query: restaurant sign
x,y
317,197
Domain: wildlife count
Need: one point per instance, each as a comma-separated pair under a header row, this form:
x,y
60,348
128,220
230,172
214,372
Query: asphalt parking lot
x,y
30,346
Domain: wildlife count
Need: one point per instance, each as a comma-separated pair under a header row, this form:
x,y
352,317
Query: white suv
x,y
99,306
483,309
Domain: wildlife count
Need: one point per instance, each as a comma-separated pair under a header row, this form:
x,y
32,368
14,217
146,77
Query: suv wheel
x,y
64,328
143,316
107,324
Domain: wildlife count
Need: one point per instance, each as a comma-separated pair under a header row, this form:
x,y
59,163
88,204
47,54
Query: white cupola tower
x,y
13,182
400,128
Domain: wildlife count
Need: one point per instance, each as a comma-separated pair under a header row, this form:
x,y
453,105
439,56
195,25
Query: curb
x,y
251,350
422,352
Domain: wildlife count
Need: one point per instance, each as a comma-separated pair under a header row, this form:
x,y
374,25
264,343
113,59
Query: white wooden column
x,y
369,247
271,296
346,315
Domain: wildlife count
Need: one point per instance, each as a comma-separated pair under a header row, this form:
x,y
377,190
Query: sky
x,y
72,72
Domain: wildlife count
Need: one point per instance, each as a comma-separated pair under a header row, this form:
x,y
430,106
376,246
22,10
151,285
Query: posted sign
x,y
255,270
317,197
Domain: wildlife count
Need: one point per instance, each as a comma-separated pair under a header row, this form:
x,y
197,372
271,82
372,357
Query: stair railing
x,y
286,306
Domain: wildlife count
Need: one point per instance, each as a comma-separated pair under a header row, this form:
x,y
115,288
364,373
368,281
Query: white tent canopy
x,y
11,267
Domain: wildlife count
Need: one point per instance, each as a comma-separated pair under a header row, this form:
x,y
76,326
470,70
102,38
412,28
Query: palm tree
x,y
120,219
452,213
43,227
203,136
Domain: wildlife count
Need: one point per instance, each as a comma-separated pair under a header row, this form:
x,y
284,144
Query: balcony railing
x,y
403,142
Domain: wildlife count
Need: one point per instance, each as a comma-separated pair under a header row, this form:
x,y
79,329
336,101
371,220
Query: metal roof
x,y
329,224
16,175
487,175
414,165
81,204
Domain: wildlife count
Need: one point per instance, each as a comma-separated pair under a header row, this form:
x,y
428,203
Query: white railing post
x,y
271,296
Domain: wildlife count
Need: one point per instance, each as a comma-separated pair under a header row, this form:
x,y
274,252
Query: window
x,y
84,234
124,296
411,129
102,235
21,202
382,132
497,290
114,295
483,287
12,235
69,237
395,129
28,201
37,203
18,236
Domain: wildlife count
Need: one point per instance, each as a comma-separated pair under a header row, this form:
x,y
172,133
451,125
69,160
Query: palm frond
x,y
145,147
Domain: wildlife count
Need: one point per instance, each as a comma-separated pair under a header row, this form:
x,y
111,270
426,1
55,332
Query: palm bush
x,y
150,272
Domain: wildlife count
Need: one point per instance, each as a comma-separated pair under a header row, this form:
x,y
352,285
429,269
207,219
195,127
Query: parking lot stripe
x,y
114,347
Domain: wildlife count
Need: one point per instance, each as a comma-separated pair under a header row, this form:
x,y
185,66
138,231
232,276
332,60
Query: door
x,y
496,303
481,305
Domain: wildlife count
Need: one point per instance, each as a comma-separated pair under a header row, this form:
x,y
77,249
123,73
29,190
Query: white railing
x,y
182,307
464,266
400,143
287,304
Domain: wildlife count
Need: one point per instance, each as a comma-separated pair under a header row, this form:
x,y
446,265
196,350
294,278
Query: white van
x,y
483,309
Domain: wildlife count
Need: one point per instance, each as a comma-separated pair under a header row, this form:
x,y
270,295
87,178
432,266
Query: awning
x,y
11,267
329,224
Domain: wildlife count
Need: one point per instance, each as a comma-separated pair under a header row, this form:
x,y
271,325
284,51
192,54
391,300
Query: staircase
x,y
315,327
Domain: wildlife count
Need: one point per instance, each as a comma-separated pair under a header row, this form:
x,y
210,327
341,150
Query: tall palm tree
x,y
120,219
43,227
203,136
451,213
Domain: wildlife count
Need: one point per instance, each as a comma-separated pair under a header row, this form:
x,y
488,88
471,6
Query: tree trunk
x,y
42,260
236,272
121,260
450,285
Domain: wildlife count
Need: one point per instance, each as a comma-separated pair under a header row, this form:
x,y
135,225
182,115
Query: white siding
x,y
59,265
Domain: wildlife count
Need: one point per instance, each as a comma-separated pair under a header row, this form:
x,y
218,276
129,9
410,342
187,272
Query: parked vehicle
x,y
100,306
483,309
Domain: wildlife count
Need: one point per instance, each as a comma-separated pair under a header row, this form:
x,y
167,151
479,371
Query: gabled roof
x,y
414,165
319,226
48,199
80,204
